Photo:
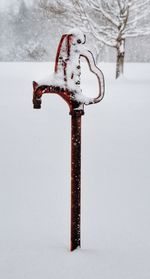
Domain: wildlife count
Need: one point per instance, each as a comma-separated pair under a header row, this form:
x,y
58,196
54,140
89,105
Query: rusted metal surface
x,y
75,179
63,58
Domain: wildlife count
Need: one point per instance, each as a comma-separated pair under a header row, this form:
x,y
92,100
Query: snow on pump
x,y
65,82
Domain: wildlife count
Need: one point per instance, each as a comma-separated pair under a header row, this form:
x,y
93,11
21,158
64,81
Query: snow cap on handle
x,y
78,36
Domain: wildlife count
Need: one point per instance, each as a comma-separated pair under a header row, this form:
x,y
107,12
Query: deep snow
x,y
35,178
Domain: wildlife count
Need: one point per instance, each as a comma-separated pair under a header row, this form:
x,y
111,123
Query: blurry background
x,y
30,30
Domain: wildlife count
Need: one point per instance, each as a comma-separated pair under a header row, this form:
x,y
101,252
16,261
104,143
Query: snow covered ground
x,y
35,178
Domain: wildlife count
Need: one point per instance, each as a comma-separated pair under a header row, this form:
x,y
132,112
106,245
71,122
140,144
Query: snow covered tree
x,y
112,21
32,32
55,13
27,25
50,7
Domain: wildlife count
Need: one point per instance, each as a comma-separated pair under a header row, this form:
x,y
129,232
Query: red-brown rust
x,y
75,179
68,96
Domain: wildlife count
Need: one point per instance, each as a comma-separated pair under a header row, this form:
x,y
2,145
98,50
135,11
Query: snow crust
x,y
35,178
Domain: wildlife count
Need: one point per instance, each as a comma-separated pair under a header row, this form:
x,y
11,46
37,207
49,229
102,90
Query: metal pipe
x,y
75,179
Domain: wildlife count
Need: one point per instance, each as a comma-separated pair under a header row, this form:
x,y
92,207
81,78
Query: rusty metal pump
x,y
65,82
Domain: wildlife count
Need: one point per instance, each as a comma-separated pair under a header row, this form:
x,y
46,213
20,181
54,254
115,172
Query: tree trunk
x,y
120,58
119,65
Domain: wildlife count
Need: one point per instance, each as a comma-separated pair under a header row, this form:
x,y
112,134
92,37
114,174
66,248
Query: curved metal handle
x,y
39,90
95,70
